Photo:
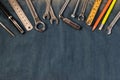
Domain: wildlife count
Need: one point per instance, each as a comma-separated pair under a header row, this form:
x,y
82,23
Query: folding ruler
x,y
93,12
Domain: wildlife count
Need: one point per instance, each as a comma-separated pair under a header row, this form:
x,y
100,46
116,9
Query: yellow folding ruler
x,y
93,12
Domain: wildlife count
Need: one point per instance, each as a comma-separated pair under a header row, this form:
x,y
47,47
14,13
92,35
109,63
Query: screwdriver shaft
x,y
8,30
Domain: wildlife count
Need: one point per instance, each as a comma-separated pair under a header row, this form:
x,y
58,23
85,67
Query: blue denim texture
x,y
60,53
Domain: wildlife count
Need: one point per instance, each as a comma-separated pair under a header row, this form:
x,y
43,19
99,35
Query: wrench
x,y
75,10
49,13
110,27
46,14
82,13
66,20
37,20
53,17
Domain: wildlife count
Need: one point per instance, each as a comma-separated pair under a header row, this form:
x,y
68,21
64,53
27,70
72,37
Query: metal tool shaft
x,y
75,9
7,29
110,27
63,8
82,13
32,9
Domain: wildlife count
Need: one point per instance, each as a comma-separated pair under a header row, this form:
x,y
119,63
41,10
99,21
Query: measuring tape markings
x,y
16,7
107,14
93,12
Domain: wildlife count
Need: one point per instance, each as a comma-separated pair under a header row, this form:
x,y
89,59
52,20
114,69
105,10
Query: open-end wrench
x,y
110,27
49,13
66,20
46,14
53,17
7,29
37,20
82,13
75,10
52,14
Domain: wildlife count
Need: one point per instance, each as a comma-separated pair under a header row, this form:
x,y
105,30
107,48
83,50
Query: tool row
x,y
40,26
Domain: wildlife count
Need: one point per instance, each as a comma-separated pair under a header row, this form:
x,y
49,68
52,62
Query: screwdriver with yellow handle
x,y
107,14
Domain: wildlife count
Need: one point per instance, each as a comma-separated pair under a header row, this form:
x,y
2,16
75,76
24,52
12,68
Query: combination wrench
x,y
66,20
49,13
37,20
110,27
82,13
75,10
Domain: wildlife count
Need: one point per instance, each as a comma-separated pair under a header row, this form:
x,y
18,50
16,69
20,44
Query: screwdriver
x,y
8,30
11,18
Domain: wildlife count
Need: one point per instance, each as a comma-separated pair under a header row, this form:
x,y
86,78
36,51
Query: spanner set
x,y
49,14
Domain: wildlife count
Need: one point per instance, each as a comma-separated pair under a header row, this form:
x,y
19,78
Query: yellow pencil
x,y
107,14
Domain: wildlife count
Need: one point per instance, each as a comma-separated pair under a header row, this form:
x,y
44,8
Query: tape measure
x,y
18,10
93,12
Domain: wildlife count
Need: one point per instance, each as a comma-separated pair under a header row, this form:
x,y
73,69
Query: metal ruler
x,y
15,5
93,12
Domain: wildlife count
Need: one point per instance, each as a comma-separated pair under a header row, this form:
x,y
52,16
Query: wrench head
x,y
40,26
54,20
81,17
46,16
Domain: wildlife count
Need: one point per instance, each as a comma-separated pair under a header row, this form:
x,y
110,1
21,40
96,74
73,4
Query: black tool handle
x,y
4,10
11,18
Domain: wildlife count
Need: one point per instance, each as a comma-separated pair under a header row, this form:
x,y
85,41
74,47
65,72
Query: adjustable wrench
x,y
37,21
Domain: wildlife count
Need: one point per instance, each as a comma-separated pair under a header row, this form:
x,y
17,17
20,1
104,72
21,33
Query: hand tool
x,y
107,14
102,14
11,18
18,10
82,13
73,15
110,27
66,20
93,12
63,8
7,29
37,20
49,13
53,17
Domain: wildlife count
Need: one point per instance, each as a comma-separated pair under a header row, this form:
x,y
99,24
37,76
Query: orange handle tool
x,y
102,14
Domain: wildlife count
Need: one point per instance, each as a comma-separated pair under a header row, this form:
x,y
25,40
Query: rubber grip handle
x,y
72,24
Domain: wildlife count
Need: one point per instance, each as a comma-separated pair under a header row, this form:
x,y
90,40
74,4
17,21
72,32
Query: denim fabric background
x,y
60,53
